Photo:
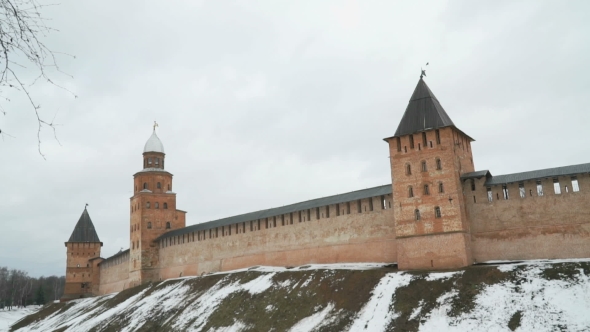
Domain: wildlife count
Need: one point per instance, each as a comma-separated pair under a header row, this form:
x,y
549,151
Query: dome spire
x,y
155,125
154,144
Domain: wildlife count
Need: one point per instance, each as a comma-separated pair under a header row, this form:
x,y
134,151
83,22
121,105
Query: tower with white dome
x,y
153,212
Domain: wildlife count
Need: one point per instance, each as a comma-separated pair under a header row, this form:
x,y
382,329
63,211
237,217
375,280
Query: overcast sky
x,y
266,103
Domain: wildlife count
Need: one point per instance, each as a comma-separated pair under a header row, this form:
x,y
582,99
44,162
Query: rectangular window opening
x,y
505,191
556,186
539,188
383,206
521,190
359,205
575,184
399,144
424,141
437,136
370,203
411,141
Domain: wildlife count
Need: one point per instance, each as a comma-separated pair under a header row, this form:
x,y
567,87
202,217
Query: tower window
x,y
399,144
165,205
159,185
408,169
438,164
157,205
168,186
426,190
424,166
437,213
472,184
417,214
167,225
437,135
410,192
405,148
411,141
149,225
157,161
490,195
441,188
147,205
424,141
505,191
149,161
521,190
145,185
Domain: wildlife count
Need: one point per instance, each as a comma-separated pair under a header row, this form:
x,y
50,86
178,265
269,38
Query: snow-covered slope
x,y
531,296
8,317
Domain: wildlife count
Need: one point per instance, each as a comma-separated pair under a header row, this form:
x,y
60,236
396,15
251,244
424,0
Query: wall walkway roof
x,y
314,203
530,175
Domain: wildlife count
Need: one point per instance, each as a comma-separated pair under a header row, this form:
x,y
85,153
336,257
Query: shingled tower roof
x,y
424,112
84,230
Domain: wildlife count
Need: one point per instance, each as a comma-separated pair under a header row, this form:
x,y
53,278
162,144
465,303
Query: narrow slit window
x,y
437,136
317,213
417,214
337,210
149,225
505,191
472,184
359,206
159,185
399,144
575,184
424,166
411,141
370,203
410,192
438,164
424,141
347,207
539,188
437,213
556,186
408,169
521,190
383,206
426,190
441,188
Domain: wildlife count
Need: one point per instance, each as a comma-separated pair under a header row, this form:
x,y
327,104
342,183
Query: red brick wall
x,y
114,275
80,270
355,237
533,227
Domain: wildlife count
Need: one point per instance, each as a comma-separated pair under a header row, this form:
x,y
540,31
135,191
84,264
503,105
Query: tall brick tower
x,y
153,212
428,154
83,256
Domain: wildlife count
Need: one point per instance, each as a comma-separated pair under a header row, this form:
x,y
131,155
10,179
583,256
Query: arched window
x,y
149,161
149,226
441,188
157,205
145,186
423,164
408,169
438,164
157,161
417,214
426,190
165,205
410,191
147,205
159,186
437,212
167,225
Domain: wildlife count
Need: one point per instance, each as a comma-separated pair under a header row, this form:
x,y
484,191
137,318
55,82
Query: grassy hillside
x,y
540,296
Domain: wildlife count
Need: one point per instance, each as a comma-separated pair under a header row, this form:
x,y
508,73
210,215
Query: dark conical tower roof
x,y
84,230
424,112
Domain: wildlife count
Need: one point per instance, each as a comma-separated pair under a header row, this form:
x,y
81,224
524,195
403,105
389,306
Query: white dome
x,y
154,144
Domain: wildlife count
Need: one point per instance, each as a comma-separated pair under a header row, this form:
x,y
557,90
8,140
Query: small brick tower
x,y
153,212
428,154
83,256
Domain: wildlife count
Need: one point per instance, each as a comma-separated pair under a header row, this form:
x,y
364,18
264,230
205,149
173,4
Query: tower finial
x,y
423,70
85,206
155,125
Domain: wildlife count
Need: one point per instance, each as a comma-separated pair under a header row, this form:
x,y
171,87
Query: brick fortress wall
x,y
546,226
114,274
365,236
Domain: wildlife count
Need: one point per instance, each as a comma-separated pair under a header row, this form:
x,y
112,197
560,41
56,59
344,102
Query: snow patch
x,y
313,321
375,315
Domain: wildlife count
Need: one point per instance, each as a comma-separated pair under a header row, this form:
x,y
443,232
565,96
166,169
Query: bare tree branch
x,y
21,30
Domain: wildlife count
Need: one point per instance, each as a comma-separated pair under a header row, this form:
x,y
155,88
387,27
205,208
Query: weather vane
x,y
423,71
86,205
155,125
